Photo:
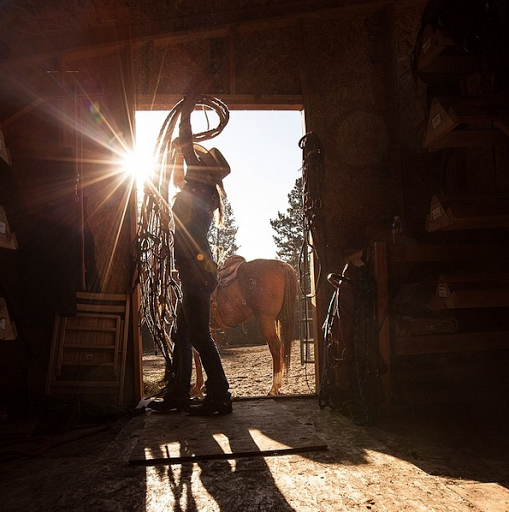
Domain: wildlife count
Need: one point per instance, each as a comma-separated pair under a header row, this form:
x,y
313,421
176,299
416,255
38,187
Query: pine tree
x,y
223,239
289,228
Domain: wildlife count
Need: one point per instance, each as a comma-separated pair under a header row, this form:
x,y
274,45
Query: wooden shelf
x,y
471,291
480,212
446,343
466,122
422,253
439,57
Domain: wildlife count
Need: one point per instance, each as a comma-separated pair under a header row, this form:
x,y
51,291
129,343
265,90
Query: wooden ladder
x,y
88,354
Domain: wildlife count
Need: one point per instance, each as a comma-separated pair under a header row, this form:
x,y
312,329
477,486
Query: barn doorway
x,y
262,149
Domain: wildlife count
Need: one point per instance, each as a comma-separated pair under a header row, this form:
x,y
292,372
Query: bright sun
x,y
139,164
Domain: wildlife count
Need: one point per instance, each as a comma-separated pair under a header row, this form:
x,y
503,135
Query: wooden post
x,y
133,216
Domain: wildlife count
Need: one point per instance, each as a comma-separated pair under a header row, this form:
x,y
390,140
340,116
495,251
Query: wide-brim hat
x,y
213,166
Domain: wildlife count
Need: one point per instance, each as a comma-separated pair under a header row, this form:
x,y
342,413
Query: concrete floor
x,y
419,459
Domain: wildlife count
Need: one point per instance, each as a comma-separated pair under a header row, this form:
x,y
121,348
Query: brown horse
x,y
265,290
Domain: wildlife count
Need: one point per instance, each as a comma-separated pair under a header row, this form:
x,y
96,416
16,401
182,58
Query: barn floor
x,y
439,458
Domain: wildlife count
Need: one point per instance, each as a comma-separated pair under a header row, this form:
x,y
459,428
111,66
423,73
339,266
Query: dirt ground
x,y
249,371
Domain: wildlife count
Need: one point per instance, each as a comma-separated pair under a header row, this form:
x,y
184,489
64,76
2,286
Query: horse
x,y
263,289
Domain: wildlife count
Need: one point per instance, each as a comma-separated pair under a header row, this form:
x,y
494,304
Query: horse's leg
x,y
268,330
197,389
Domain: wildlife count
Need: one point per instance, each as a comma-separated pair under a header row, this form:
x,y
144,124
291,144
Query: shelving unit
x,y
445,344
439,57
469,212
460,291
7,241
397,265
466,122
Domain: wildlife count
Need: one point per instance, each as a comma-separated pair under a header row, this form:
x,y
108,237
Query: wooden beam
x,y
133,321
236,101
20,113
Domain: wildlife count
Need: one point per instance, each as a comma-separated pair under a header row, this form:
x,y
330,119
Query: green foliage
x,y
223,239
289,228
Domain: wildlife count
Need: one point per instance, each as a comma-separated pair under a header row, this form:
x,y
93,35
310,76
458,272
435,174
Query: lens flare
x,y
139,165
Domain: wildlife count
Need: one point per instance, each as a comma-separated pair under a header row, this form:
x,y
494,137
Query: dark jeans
x,y
193,330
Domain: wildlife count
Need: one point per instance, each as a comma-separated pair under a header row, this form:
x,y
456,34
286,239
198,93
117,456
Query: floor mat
x,y
255,428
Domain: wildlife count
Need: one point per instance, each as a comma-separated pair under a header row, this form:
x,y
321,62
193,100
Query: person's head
x,y
210,166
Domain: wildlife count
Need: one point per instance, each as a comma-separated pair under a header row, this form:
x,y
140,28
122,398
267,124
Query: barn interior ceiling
x,y
35,28
40,37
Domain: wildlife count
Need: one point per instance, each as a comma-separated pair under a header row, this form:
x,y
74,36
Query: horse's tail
x,y
286,316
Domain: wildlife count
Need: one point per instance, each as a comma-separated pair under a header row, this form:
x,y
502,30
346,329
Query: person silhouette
x,y
194,208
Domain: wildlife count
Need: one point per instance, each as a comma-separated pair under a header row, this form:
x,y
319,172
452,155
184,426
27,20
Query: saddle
x,y
227,275
228,271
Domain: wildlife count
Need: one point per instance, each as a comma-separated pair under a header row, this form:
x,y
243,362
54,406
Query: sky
x,y
262,148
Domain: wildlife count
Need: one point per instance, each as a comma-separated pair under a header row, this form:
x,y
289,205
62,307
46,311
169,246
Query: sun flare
x,y
138,164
